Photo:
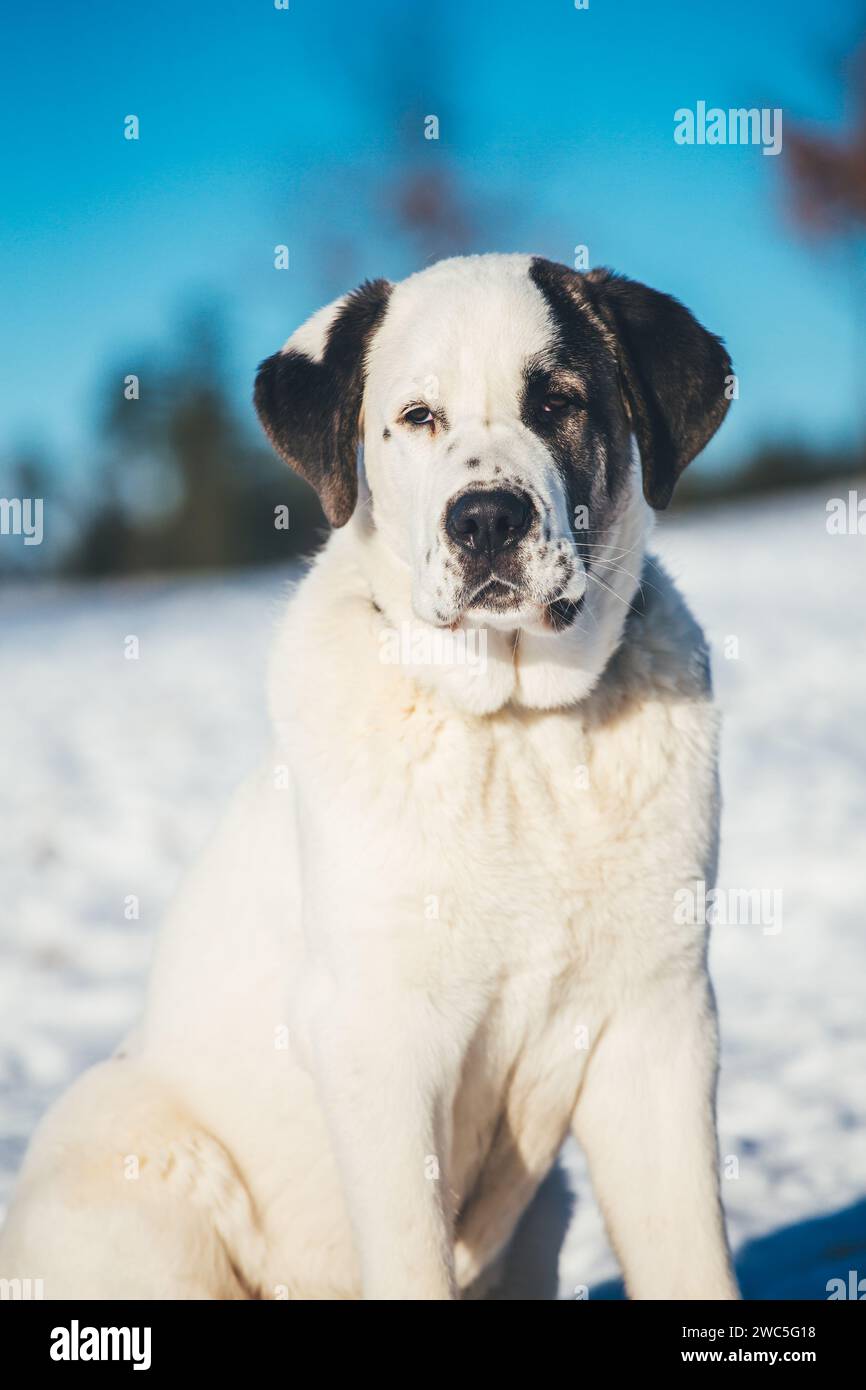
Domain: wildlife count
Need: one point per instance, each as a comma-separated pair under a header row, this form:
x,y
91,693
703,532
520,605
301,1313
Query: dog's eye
x,y
418,415
554,405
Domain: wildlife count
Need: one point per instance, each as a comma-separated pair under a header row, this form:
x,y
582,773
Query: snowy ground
x,y
114,770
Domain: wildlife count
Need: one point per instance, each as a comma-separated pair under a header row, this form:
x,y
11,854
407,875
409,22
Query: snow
x,y
115,769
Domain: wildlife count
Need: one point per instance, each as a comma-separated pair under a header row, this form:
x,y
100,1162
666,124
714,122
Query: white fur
x,y
364,1040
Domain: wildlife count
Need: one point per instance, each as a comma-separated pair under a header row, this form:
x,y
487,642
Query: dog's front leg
x,y
375,1062
646,1119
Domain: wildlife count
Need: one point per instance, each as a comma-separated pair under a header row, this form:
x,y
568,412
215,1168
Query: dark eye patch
x,y
589,440
552,395
584,436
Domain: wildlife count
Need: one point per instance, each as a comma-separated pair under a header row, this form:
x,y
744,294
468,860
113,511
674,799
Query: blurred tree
x,y
775,466
182,482
28,475
828,175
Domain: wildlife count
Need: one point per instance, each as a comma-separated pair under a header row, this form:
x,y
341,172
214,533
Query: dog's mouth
x,y
507,592
495,595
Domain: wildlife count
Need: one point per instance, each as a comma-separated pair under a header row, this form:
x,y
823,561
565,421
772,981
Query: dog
x,y
435,933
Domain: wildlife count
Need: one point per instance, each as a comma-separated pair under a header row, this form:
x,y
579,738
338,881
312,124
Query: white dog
x,y
437,930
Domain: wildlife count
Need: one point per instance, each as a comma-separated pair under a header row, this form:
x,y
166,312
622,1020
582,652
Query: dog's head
x,y
497,398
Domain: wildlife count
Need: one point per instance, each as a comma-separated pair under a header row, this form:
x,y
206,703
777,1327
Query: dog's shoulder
x,y
651,724
663,655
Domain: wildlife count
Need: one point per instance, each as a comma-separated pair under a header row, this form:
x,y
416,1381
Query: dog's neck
x,y
481,669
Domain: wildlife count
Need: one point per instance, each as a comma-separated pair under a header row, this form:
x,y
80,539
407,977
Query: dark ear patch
x,y
310,410
672,374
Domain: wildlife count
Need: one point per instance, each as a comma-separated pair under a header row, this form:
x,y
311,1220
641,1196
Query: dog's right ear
x,y
308,396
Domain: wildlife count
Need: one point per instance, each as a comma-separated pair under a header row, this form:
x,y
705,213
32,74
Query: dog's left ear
x,y
673,376
309,396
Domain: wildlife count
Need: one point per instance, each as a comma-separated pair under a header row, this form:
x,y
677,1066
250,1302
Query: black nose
x,y
488,522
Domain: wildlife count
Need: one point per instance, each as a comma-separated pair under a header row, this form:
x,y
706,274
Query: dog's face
x,y
496,397
487,429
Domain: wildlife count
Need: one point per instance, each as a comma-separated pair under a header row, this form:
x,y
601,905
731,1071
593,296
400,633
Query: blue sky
x,y
261,126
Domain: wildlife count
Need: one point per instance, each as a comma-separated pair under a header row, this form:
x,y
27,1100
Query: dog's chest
x,y
487,860
503,834
512,855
